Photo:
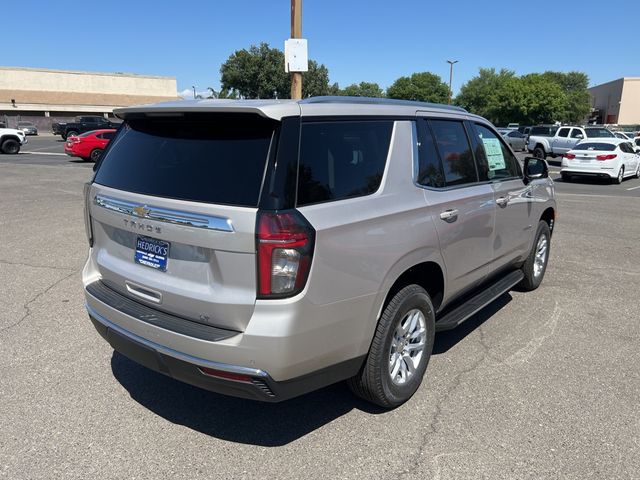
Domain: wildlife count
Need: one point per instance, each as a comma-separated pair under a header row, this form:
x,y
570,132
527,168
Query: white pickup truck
x,y
11,140
564,140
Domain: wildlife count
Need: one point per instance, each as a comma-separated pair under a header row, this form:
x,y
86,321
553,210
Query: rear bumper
x,y
185,365
611,173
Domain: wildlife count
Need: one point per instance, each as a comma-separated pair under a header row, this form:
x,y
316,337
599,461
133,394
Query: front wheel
x,y
10,146
536,264
400,350
95,155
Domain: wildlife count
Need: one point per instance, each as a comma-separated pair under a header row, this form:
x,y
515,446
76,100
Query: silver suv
x,y
264,249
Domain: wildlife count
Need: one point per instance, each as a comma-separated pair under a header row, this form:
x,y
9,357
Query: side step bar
x,y
476,303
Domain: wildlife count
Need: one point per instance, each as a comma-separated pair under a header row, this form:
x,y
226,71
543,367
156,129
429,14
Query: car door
x,y
514,224
559,142
462,207
575,137
630,157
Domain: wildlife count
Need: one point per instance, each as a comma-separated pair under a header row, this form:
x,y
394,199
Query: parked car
x,y
82,125
264,249
515,139
611,158
565,138
524,130
28,128
89,145
11,140
624,136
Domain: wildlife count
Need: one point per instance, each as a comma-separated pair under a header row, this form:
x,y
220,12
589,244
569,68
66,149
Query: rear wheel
x,y
538,152
536,263
95,154
620,176
400,350
72,133
637,174
565,177
10,146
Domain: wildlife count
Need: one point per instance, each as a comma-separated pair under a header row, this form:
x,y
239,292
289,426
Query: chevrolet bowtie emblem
x,y
141,211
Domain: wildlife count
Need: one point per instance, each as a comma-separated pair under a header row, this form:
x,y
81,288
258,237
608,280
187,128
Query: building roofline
x,y
80,72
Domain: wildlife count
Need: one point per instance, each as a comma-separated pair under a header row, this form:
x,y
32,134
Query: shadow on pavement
x,y
235,419
450,338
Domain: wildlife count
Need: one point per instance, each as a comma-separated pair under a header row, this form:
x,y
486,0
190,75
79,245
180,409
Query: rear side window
x,y
430,172
341,160
563,132
455,152
543,131
204,158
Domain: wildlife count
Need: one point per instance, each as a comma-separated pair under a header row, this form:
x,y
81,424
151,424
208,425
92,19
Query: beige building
x,y
617,102
43,96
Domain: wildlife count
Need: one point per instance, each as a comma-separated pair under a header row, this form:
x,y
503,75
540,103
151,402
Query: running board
x,y
476,303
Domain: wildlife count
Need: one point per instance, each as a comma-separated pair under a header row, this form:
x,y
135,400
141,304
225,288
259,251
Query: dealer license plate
x,y
152,253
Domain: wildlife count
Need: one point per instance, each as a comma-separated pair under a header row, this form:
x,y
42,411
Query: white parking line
x,y
633,188
43,153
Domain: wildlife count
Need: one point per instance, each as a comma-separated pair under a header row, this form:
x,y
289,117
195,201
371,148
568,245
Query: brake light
x,y
87,213
238,377
284,242
611,156
569,156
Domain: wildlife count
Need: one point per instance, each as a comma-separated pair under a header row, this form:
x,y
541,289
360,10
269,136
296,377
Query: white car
x,y
624,136
11,140
611,158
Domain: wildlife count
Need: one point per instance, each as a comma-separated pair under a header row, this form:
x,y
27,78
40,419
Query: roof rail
x,y
379,101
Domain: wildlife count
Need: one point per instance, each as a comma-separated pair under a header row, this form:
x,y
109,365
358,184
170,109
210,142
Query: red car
x,y
89,145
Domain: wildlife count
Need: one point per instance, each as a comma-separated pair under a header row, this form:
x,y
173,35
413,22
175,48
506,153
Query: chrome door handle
x,y
449,215
502,201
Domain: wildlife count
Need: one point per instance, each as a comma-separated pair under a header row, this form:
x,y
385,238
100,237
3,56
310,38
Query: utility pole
x,y
296,32
194,91
451,63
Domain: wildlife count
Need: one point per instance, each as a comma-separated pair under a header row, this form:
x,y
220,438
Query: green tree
x,y
575,86
259,73
422,86
482,94
543,101
363,89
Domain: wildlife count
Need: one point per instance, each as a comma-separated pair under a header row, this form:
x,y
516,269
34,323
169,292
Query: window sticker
x,y
495,157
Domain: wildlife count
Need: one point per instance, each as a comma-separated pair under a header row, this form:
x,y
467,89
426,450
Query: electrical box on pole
x,y
296,56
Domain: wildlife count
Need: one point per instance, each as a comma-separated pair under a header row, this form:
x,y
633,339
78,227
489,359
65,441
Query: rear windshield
x,y
607,147
598,133
543,131
204,158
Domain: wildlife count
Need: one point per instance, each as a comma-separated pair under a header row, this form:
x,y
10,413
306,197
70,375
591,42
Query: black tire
x,y
539,152
566,177
72,133
374,383
10,146
618,180
95,155
637,174
531,281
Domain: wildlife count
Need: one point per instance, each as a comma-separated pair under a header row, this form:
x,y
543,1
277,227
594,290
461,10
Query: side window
x,y
100,136
429,165
501,162
575,132
626,148
563,132
340,160
108,135
454,149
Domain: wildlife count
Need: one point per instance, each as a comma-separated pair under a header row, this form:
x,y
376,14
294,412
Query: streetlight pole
x,y
451,62
194,91
296,32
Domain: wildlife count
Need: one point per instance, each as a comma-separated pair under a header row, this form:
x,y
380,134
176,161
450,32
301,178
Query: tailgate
x,y
173,209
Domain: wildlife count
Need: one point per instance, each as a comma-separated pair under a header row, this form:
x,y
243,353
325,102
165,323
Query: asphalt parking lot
x,y
538,385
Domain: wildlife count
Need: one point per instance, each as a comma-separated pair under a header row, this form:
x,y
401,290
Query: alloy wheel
x,y
407,346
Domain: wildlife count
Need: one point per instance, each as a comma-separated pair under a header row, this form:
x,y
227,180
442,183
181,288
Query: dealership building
x,y
616,102
44,96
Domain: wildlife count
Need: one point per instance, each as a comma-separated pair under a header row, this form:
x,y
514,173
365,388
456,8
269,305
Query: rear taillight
x,y
569,156
611,156
87,215
284,242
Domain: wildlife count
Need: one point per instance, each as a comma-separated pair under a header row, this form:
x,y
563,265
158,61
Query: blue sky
x,y
357,40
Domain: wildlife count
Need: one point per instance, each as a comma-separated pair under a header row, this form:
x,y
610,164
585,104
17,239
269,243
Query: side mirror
x,y
535,168
579,136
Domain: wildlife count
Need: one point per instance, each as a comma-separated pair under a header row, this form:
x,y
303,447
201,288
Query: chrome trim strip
x,y
254,372
165,215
